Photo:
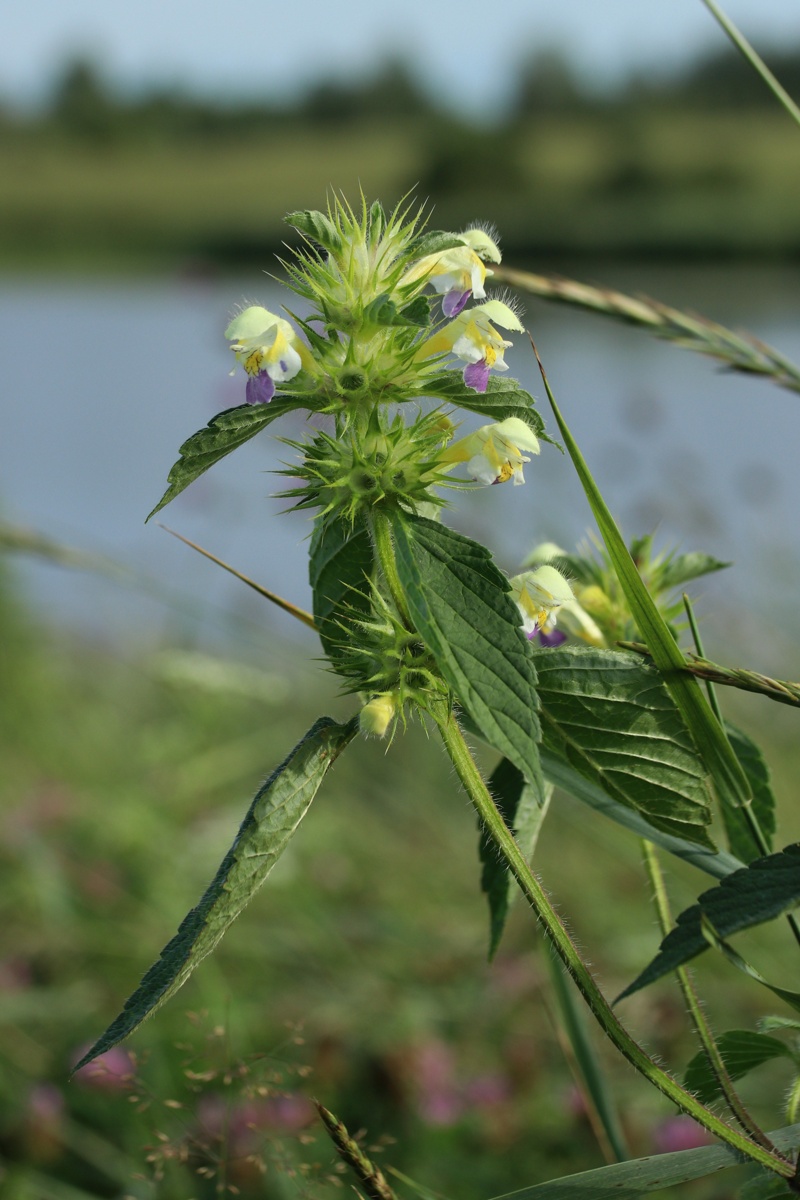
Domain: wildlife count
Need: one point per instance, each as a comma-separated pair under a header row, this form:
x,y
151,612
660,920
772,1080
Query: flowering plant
x,y
418,622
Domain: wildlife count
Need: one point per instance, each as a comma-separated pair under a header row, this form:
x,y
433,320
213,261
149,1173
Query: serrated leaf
x,y
638,1177
436,241
722,764
523,811
608,714
317,226
276,811
558,771
502,398
682,568
741,1050
740,839
339,569
460,603
765,889
224,433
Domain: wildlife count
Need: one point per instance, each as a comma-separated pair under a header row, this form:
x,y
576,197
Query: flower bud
x,y
377,716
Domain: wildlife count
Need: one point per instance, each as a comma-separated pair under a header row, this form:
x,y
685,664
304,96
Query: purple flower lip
x,y
454,301
554,638
476,375
260,388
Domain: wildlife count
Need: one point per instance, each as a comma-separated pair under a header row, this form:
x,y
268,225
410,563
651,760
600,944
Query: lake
x,y
102,381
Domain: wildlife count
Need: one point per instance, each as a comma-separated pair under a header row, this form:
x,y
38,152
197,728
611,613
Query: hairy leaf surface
x,y
460,603
759,892
609,715
276,811
502,398
224,433
523,811
742,1050
628,1180
681,568
339,569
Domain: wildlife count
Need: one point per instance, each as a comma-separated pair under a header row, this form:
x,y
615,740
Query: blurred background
x,y
148,154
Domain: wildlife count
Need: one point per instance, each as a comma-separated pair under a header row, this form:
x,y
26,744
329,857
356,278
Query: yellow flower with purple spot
x,y
460,272
493,453
269,350
539,595
473,338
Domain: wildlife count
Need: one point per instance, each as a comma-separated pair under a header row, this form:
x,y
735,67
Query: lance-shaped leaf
x,y
792,998
224,433
740,837
681,568
317,226
721,763
765,889
742,1050
276,811
608,714
558,771
502,398
461,605
340,568
628,1180
523,811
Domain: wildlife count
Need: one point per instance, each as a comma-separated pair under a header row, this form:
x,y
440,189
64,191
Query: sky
x,y
464,53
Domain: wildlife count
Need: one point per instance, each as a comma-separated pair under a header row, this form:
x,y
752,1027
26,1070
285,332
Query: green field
x,y
673,184
358,975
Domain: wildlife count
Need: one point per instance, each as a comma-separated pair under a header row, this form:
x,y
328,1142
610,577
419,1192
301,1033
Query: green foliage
x,y
740,838
639,1177
460,604
340,569
523,811
224,432
742,1051
677,569
593,703
318,227
502,398
720,761
765,889
273,817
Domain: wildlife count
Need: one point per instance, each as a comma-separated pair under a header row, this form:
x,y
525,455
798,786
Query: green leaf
x,y
740,839
340,567
722,765
765,1185
742,1051
608,714
558,771
460,603
502,398
317,226
523,811
276,811
759,892
224,433
384,311
736,960
628,1180
436,241
681,568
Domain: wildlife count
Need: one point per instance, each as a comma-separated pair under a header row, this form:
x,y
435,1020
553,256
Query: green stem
x,y
751,820
556,933
384,548
587,1069
702,1028
756,62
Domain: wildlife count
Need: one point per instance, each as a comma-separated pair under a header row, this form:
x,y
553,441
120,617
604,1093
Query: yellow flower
x,y
269,350
458,273
540,594
473,338
493,453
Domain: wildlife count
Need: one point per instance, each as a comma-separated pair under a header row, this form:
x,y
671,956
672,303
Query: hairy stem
x,y
559,938
702,1028
381,528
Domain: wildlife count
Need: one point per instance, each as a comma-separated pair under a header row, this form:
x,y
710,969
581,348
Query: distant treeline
x,y
86,105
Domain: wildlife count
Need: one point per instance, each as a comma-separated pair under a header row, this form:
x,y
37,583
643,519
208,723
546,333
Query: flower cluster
x,y
373,338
